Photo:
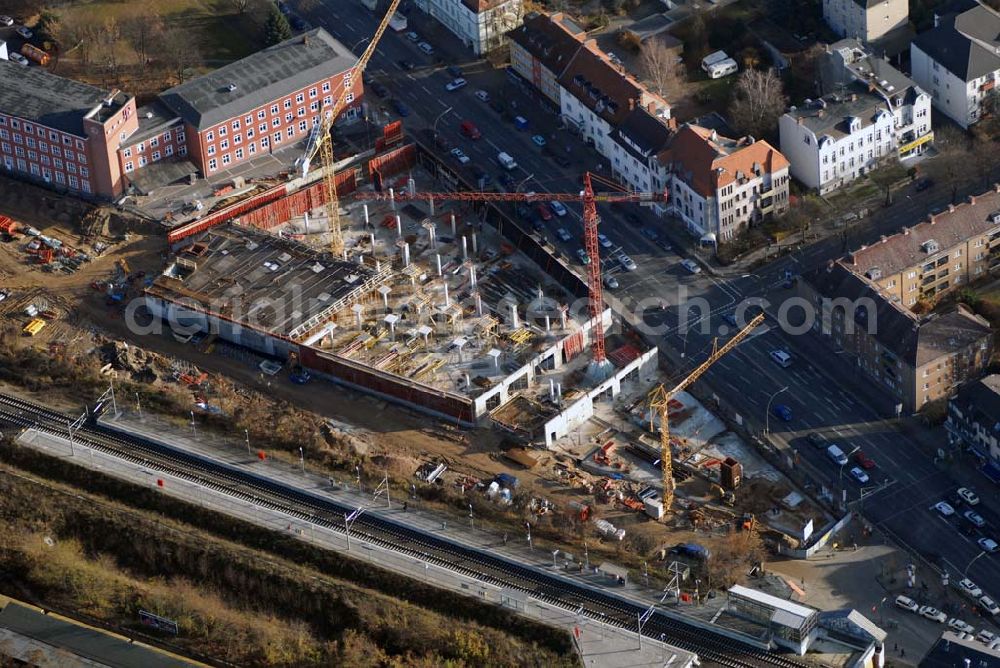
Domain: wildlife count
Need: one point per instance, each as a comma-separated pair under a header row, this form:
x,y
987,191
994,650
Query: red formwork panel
x,y
384,166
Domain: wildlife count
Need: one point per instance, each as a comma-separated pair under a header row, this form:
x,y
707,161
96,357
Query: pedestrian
x,y
505,538
902,652
405,505
895,647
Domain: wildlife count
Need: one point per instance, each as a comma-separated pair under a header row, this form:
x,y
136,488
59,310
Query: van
x,y
836,455
521,123
721,69
506,161
781,358
692,551
469,129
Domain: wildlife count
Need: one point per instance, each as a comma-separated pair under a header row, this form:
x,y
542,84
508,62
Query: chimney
x,y
884,238
819,113
871,87
951,208
932,220
906,230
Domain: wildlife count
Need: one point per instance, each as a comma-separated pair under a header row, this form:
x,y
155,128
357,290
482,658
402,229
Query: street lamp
x,y
846,457
302,460
438,119
359,43
966,571
767,411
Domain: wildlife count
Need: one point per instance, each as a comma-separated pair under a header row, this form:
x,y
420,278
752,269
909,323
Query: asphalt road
x,y
821,394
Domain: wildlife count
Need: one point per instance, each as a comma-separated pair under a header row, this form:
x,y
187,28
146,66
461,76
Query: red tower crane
x,y
590,223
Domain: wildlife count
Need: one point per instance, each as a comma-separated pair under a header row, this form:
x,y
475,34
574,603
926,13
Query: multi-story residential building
x,y
834,140
542,48
635,147
62,133
76,137
867,20
974,418
958,61
912,359
256,105
597,95
926,260
847,61
719,185
482,25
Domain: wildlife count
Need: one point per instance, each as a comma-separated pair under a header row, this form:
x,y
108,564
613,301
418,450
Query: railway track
x,y
483,566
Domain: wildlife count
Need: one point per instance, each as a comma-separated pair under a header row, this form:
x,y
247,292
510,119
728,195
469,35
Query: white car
x,y
627,263
691,266
482,95
975,518
6,21
610,282
989,605
986,637
932,614
859,475
426,48
455,84
969,587
968,496
24,32
944,508
563,234
604,241
459,155
558,208
19,59
960,626
906,603
781,357
538,140
988,545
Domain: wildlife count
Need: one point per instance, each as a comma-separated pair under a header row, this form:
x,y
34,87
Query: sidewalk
x,y
600,644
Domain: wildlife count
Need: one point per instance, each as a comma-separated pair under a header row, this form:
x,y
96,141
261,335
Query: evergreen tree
x,y
276,28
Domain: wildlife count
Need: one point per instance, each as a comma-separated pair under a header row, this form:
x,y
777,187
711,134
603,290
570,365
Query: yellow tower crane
x,y
320,140
659,400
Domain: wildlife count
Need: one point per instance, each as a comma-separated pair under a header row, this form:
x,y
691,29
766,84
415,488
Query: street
x,y
821,394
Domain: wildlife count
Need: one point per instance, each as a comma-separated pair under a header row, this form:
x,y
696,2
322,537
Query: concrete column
x,y
454,230
431,200
305,223
392,199
367,220
411,186
406,255
475,248
399,226
479,303
437,260
465,249
371,238
562,318
548,324
472,275
447,300
514,321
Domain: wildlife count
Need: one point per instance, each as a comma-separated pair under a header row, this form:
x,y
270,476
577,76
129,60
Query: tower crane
x,y
659,400
320,139
590,223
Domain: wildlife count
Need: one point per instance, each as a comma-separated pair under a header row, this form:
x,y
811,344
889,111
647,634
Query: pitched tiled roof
x,y
553,40
713,161
906,249
642,134
979,401
914,340
603,87
34,94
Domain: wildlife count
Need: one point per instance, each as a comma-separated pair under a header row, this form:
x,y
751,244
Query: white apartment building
x,y
635,145
847,61
958,61
481,25
867,20
718,185
836,139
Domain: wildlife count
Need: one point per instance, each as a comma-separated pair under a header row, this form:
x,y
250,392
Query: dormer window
x,y
930,247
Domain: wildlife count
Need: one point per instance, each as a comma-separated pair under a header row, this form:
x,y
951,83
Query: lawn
x,y
217,32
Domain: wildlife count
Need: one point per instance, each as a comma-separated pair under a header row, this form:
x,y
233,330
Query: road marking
x,y
426,90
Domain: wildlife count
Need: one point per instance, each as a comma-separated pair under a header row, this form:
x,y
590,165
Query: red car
x,y
864,461
544,212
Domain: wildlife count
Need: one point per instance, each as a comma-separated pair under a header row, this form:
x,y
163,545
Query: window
x,y
127,153
209,137
16,124
275,122
129,166
212,165
224,144
46,173
239,154
248,120
328,100
154,142
253,148
236,124
46,160
182,150
67,141
73,182
288,117
301,112
265,142
60,178
237,139
223,131
211,150
32,155
276,137
31,142
312,93
166,136
288,103
226,159
156,156
79,144
262,128
274,109
168,150
180,136
300,98
326,86
71,167
349,98
302,126
28,127
142,163
261,114
290,131
314,106
43,147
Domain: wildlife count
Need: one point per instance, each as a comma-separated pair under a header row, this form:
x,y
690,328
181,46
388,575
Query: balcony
x,y
988,86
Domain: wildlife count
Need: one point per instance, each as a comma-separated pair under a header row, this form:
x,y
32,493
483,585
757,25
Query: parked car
x,y
863,460
426,48
558,208
781,357
412,36
6,21
692,550
401,108
960,626
18,58
817,440
924,184
906,603
944,508
563,234
836,455
627,263
968,496
691,266
507,181
986,637
454,70
988,544
969,587
782,411
378,89
538,140
460,156
582,256
932,613
455,84
482,95
610,282
545,212
650,233
604,241
482,176
859,475
562,160
975,518
664,245
24,32
988,604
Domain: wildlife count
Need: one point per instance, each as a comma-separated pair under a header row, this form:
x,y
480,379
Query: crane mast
x,y
659,400
324,142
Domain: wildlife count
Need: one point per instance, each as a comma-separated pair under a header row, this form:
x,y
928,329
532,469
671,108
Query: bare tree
x,y
758,101
179,54
660,66
81,35
954,159
143,30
